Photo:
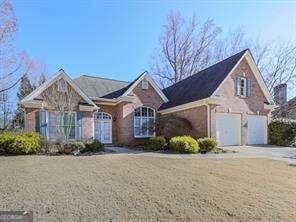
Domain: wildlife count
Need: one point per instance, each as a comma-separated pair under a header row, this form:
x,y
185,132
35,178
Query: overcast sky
x,y
116,39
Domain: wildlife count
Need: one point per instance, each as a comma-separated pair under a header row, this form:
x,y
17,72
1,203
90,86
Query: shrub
x,y
19,143
207,144
157,143
282,133
184,144
93,146
71,147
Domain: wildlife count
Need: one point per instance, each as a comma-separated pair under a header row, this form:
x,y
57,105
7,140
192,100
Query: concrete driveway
x,y
287,154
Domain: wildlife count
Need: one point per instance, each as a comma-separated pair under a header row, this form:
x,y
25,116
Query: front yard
x,y
143,188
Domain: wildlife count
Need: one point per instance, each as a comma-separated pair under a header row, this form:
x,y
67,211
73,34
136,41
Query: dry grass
x,y
139,188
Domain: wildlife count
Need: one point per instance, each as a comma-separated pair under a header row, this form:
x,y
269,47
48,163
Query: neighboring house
x,y
228,100
285,109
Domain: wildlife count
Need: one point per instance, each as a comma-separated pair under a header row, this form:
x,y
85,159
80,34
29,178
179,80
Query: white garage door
x,y
257,129
228,129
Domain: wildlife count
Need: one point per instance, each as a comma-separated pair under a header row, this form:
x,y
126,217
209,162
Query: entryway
x,y
103,127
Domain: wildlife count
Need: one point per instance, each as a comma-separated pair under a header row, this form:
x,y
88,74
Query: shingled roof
x,y
200,85
96,87
121,91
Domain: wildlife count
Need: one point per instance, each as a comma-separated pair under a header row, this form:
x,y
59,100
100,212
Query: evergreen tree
x,y
25,89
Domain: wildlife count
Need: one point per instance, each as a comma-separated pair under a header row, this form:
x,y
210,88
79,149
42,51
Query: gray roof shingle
x,y
200,85
95,87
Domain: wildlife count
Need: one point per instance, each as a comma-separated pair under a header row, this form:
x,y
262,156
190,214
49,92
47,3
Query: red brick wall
x,y
32,119
87,125
198,118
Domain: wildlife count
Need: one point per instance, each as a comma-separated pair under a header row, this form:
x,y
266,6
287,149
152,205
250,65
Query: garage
x,y
257,129
228,129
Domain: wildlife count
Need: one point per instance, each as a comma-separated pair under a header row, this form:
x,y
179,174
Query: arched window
x,y
102,116
144,122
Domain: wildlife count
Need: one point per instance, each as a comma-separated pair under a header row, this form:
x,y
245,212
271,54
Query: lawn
x,y
143,188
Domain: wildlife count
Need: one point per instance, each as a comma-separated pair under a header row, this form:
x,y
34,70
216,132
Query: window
x,y
62,86
145,84
242,86
144,122
61,124
102,116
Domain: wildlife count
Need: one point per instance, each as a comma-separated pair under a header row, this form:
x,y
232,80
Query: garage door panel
x,y
257,129
228,129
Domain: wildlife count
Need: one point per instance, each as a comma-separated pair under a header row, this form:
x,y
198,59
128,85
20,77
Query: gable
x,y
228,96
207,82
37,93
147,97
147,77
246,67
200,85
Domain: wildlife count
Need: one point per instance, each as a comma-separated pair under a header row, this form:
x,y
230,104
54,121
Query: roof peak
x,y
98,77
221,61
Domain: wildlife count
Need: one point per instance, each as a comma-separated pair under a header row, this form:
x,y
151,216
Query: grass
x,y
143,188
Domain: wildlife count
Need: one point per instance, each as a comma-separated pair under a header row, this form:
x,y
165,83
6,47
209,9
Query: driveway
x,y
287,154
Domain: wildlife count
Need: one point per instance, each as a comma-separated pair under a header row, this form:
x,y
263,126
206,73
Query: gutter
x,y
202,102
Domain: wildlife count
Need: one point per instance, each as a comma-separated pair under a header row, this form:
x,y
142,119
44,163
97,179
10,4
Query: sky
x,y
117,39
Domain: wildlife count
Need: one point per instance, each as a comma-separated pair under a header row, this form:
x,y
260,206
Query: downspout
x,y
208,119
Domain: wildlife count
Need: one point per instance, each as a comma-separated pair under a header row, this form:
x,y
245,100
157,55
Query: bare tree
x,y
9,61
185,48
275,60
62,100
280,65
228,44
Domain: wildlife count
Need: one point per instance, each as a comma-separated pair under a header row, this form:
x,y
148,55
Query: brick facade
x,y
122,116
202,118
142,97
231,103
198,119
32,119
87,125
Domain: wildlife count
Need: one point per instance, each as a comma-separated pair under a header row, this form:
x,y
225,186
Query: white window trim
x,y
154,116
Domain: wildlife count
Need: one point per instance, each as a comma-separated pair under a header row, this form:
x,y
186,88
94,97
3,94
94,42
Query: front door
x,y
103,127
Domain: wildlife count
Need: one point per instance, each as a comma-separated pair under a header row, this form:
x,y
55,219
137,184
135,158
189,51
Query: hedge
x,y
282,133
207,144
184,144
93,146
19,143
157,143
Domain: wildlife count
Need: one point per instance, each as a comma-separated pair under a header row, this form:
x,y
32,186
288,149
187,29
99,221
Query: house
x,y
228,100
286,109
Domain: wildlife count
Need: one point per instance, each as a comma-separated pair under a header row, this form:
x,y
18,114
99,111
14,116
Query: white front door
x,y
228,129
257,129
103,127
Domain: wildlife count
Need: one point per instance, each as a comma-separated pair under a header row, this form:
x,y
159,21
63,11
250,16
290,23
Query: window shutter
x,y
249,87
79,116
42,123
237,85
